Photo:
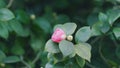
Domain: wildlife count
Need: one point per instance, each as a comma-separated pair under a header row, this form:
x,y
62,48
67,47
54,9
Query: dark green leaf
x,y
66,47
3,30
83,34
18,28
11,59
6,14
43,24
83,50
52,47
118,52
2,4
80,61
2,56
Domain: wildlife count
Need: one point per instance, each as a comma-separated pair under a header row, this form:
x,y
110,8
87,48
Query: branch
x,y
9,3
37,57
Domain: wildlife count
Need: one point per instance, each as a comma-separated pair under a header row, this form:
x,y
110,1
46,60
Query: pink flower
x,y
58,35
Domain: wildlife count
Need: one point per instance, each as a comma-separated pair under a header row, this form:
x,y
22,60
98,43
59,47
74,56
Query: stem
x,y
9,4
37,57
25,63
91,66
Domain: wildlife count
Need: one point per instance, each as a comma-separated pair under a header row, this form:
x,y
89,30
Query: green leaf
x,y
102,17
22,16
18,28
17,50
113,15
48,65
2,56
43,24
6,14
83,50
116,31
80,61
66,47
52,47
3,30
11,59
69,28
2,4
83,34
36,43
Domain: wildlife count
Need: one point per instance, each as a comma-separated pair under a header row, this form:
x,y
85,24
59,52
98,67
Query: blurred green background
x,y
26,25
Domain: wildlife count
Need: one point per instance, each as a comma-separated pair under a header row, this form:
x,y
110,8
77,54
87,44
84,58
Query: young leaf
x,y
116,31
80,61
83,50
11,59
69,28
6,14
67,48
83,34
52,47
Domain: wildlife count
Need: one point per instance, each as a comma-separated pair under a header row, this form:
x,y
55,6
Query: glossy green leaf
x,y
2,56
52,47
113,15
11,59
83,34
83,50
67,48
6,14
3,30
80,61
116,31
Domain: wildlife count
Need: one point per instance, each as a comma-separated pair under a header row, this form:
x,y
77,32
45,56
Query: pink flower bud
x,y
58,35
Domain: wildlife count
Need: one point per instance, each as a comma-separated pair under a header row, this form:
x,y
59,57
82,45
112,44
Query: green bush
x,y
27,25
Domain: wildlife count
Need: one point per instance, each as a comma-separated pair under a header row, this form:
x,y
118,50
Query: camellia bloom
x,y
58,35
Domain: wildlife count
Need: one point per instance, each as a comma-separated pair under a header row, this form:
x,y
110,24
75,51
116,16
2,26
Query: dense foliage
x,y
27,25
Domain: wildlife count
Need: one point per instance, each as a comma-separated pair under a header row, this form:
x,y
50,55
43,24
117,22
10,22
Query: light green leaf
x,y
83,34
83,50
11,59
18,28
52,47
69,28
2,56
116,31
80,61
113,15
66,47
3,30
48,65
102,17
6,14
